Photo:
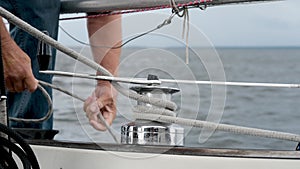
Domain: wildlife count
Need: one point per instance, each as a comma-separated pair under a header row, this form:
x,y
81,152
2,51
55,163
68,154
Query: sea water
x,y
258,107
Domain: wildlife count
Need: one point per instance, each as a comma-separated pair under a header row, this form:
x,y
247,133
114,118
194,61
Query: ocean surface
x,y
268,108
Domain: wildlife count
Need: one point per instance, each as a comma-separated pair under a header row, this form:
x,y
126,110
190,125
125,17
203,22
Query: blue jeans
x,y
43,15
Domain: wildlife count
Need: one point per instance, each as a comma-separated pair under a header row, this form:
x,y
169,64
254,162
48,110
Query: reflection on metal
x,y
152,133
145,132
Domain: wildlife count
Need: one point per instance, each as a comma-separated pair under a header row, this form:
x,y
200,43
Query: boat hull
x,y
90,156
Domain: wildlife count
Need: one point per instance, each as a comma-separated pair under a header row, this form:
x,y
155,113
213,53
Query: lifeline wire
x,y
176,10
244,84
160,81
107,78
164,23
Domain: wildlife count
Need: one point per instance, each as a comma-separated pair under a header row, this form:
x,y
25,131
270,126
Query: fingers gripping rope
x,y
100,116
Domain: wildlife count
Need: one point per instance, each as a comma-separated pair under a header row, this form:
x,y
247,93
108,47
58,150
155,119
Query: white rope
x,y
185,28
3,110
185,33
220,127
174,6
100,116
46,117
61,90
153,110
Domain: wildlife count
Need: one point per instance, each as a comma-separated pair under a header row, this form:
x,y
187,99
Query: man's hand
x,y
103,100
104,31
17,65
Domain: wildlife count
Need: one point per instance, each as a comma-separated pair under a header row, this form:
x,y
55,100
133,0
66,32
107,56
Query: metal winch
x,y
144,132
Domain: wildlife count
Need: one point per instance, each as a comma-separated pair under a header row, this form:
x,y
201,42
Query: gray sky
x,y
259,24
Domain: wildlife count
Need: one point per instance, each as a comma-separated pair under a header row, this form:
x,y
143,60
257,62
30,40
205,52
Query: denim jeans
x,y
43,15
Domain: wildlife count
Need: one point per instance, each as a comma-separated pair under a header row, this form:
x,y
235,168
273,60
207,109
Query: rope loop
x,y
46,117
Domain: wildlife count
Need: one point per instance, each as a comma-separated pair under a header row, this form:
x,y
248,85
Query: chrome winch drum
x,y
144,132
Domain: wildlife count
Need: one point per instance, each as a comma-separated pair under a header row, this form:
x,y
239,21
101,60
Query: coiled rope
x,y
153,101
221,127
23,151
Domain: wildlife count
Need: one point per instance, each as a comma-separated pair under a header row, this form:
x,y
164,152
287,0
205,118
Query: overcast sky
x,y
259,24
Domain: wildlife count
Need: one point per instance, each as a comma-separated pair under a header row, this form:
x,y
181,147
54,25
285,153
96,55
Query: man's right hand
x,y
17,68
17,64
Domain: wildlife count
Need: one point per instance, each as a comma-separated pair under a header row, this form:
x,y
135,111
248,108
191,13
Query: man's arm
x,y
104,32
17,64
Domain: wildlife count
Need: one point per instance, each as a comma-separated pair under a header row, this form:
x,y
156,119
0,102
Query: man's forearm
x,y
105,32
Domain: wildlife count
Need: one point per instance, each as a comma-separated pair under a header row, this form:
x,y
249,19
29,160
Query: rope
x,y
100,116
61,90
3,111
46,117
186,24
153,110
174,6
220,127
22,150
